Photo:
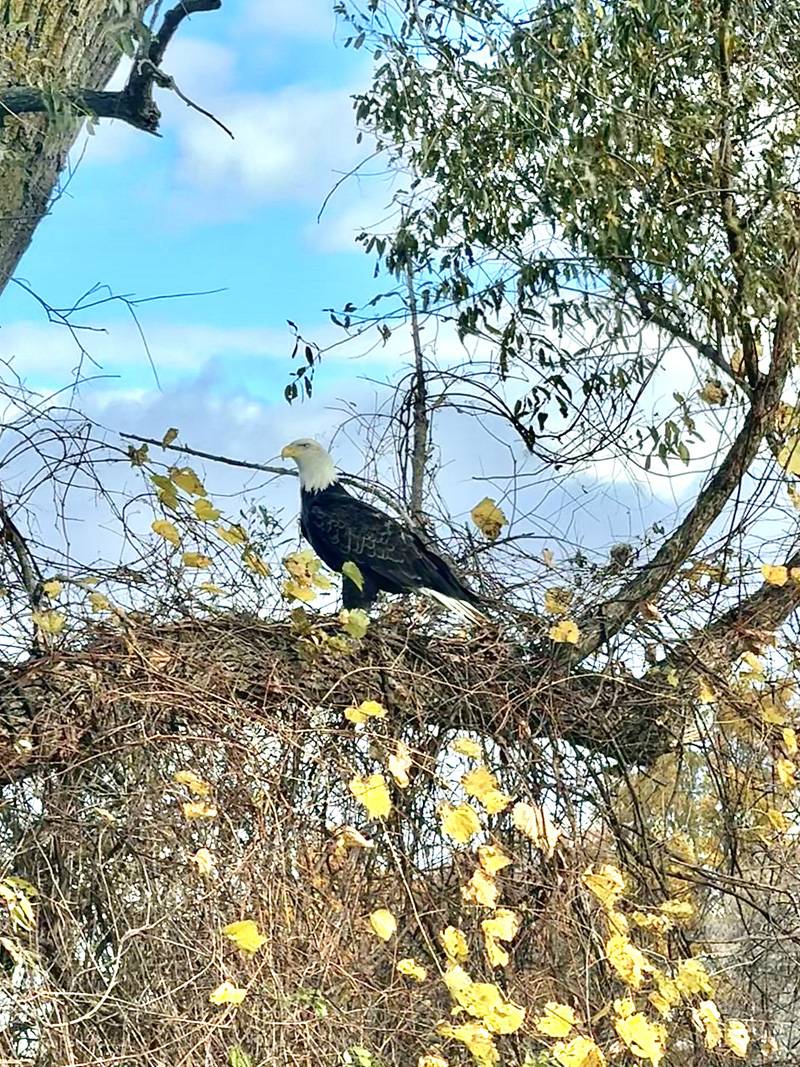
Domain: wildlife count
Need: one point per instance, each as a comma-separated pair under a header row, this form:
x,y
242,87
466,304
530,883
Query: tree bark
x,y
48,45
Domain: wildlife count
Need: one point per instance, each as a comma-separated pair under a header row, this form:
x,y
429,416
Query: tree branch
x,y
419,453
134,104
612,615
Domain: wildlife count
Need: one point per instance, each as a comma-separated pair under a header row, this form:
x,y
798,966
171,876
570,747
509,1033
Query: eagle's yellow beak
x,y
287,452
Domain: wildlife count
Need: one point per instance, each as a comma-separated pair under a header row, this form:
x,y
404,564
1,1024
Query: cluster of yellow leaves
x,y
48,622
367,709
491,1011
305,577
372,791
779,575
482,784
489,518
646,1040
565,632
557,1020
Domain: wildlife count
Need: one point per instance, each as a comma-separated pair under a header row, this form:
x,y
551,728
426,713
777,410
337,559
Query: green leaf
x,y
351,571
237,1057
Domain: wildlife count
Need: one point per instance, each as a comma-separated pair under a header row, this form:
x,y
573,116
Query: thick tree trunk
x,y
45,44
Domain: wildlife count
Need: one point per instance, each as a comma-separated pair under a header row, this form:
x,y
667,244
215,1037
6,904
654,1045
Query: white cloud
x,y
288,145
302,18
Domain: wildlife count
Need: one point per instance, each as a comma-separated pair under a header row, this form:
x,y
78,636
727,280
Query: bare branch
x,y
419,452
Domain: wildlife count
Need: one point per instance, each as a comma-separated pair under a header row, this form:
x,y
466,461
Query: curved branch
x,y
612,615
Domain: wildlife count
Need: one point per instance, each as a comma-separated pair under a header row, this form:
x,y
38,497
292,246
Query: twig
x,y
384,495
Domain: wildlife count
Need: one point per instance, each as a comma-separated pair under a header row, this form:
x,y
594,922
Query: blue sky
x,y
193,211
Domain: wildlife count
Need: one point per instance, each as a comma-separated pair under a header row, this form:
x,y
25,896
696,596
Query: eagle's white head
x,y
313,462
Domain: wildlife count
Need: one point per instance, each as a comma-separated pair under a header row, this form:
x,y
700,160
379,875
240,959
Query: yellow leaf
x,y
789,455
737,1038
198,809
367,709
52,588
373,793
579,1052
667,996
348,837
244,935
790,741
707,1019
557,1019
492,858
233,535
533,821
482,785
476,1038
99,602
627,960
166,491
646,1040
255,564
193,783
412,969
166,530
49,622
431,1059
169,437
774,575
481,889
186,479
196,560
205,510
713,392
607,883
383,924
705,693
778,820
354,621
488,517
484,1001
692,977
204,861
503,926
463,746
351,570
558,600
460,822
677,909
227,993
671,677
565,632
786,772
770,712
399,764
292,590
454,944
213,590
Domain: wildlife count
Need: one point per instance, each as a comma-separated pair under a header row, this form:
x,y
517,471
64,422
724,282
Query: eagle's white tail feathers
x,y
467,611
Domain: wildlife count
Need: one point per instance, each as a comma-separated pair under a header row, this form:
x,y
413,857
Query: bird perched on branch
x,y
389,556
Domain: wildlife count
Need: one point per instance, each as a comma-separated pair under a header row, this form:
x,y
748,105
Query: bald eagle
x,y
390,556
